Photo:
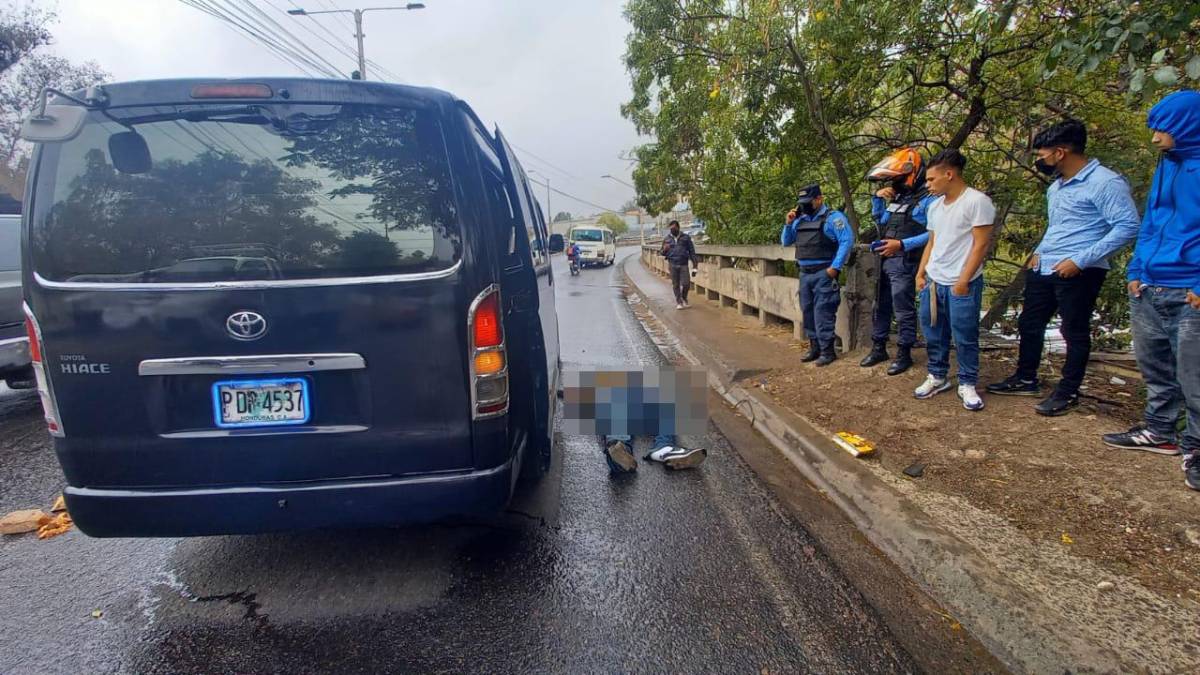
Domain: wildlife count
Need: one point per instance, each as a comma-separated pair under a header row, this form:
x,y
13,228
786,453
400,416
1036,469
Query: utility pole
x,y
641,227
358,26
549,211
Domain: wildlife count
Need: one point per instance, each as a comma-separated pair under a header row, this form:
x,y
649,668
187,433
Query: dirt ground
x,y
1052,478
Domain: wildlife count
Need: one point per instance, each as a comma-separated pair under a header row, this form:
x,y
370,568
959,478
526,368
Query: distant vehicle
x,y
697,233
557,243
597,244
15,367
333,305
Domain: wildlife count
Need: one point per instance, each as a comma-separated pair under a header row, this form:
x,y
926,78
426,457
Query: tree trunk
x,y
817,112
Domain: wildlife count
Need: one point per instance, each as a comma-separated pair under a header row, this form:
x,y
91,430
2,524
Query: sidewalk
x,y
1054,551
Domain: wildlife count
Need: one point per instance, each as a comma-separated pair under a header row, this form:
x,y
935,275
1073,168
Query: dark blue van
x,y
283,303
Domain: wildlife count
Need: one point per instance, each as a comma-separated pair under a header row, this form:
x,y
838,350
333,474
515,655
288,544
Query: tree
x,y
630,205
613,222
22,30
561,216
25,71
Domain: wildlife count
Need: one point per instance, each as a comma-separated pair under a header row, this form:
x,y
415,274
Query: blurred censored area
x,y
645,402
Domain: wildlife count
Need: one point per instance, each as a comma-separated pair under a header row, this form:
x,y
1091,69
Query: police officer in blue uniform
x,y
823,239
898,207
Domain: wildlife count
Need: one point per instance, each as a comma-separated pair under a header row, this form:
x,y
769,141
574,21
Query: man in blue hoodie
x,y
1164,288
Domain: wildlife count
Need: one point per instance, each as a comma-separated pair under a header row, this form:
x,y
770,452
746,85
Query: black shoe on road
x,y
1015,386
1191,470
620,459
814,353
1057,404
1138,438
877,356
902,363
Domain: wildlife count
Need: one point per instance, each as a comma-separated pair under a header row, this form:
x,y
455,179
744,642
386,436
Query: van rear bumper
x,y
257,509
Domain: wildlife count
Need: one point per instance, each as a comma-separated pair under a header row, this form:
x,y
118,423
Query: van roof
x,y
284,90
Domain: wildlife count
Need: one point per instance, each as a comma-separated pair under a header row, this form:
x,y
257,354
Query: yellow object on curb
x,y
854,444
60,505
61,523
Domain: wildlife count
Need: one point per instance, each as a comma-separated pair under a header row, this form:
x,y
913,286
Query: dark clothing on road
x,y
680,282
679,249
819,300
897,293
1166,341
1074,299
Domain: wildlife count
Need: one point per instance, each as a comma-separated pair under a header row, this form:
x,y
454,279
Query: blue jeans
x,y
1166,341
819,300
896,294
957,318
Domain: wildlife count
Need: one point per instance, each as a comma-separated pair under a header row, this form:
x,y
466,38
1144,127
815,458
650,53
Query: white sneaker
x,y
931,386
970,397
679,305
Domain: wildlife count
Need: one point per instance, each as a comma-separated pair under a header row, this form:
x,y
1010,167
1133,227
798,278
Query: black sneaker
x,y
1138,438
1057,404
620,459
814,353
1015,386
1191,470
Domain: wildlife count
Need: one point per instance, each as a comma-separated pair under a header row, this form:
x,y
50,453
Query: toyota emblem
x,y
245,325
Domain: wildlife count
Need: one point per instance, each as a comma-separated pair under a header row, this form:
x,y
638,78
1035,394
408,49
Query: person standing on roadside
x,y
1091,216
950,277
899,209
679,250
823,239
1164,289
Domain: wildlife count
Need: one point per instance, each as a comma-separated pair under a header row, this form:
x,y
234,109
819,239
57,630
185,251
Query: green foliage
x,y
613,222
561,216
746,101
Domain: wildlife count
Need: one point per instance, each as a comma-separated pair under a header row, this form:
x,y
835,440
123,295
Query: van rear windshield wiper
x,y
240,115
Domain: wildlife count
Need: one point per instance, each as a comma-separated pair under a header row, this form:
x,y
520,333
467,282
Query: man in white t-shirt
x,y
950,277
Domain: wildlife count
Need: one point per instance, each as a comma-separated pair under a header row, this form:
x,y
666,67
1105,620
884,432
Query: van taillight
x,y
488,357
49,405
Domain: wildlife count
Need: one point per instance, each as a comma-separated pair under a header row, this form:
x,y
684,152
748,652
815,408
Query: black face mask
x,y
809,208
1046,169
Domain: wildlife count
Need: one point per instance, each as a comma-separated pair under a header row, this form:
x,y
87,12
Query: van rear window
x,y
588,235
245,192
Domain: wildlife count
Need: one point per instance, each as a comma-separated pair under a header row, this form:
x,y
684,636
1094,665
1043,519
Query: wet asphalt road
x,y
693,572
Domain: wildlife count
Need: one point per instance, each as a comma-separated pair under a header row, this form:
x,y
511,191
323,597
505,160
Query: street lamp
x,y
618,180
358,25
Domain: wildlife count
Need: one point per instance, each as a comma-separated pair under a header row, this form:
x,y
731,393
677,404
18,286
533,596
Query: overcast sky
x,y
549,72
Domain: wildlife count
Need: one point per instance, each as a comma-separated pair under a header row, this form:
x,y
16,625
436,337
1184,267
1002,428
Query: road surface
x,y
694,572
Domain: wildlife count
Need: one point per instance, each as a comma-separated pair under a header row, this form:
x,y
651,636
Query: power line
x,y
544,161
251,35
282,35
340,44
571,196
299,56
281,30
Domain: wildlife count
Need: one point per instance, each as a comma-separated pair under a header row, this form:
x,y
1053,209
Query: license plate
x,y
260,403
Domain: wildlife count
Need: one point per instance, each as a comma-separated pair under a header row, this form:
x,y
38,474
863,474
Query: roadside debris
x,y
1105,585
915,470
854,444
20,522
1066,539
57,525
97,613
60,505
1116,380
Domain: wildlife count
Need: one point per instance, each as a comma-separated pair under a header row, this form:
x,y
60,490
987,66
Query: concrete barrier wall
x,y
761,291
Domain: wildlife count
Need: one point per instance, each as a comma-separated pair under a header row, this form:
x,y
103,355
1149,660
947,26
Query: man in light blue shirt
x,y
823,239
1092,215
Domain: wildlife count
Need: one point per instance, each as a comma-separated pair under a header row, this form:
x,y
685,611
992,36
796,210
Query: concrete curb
x,y
1016,625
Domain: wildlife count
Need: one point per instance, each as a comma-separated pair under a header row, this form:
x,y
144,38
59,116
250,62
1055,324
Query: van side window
x,y
504,216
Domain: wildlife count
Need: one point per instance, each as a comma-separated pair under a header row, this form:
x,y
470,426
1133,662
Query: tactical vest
x,y
901,224
811,241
